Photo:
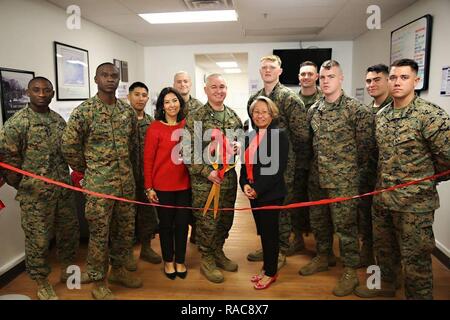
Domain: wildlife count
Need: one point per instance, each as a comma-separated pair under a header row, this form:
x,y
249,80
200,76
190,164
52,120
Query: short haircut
x,y
180,72
159,112
272,58
271,106
104,64
307,63
330,64
379,68
39,78
137,84
213,75
406,63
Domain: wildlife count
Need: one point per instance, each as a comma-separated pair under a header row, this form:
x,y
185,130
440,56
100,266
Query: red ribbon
x,y
289,206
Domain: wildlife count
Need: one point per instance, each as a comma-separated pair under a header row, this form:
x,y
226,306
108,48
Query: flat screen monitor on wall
x,y
292,58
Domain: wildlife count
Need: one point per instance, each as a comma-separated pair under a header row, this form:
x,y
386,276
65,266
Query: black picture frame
x,y
13,85
72,72
413,41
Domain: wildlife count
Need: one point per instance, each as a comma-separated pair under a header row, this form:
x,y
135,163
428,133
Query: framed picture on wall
x,y
72,72
13,86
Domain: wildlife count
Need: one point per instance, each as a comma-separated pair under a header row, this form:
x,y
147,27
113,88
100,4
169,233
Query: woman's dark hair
x,y
159,112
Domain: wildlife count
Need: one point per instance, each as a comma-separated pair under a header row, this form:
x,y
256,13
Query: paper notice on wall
x,y
445,82
122,91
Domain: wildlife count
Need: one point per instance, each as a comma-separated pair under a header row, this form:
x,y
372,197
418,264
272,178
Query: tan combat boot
x,y
317,264
387,290
45,290
149,255
347,283
256,255
131,263
209,269
224,263
123,277
100,291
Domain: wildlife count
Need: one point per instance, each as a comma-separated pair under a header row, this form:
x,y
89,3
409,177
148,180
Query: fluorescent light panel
x,y
232,70
227,64
190,16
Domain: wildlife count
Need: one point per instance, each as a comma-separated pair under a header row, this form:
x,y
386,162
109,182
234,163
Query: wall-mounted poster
x,y
413,41
72,72
13,86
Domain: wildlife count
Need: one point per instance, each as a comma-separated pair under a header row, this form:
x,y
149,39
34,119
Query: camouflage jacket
x,y
101,141
343,140
31,141
200,168
142,126
293,118
413,143
384,104
308,101
192,105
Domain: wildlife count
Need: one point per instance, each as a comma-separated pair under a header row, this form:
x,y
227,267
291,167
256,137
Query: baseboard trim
x,y
442,257
11,274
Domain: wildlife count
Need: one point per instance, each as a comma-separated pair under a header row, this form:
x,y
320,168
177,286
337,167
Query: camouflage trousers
x,y
365,220
111,222
211,233
405,238
300,216
146,219
340,216
285,223
41,220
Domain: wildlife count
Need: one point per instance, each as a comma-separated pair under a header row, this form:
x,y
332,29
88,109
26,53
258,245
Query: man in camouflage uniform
x,y
212,232
413,138
343,140
31,140
293,118
377,87
146,222
309,94
100,140
183,83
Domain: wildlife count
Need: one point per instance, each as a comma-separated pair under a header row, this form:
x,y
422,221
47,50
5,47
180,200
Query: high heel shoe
x,y
260,286
256,278
170,275
181,275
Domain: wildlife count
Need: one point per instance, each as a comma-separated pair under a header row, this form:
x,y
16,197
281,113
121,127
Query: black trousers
x,y
267,224
173,224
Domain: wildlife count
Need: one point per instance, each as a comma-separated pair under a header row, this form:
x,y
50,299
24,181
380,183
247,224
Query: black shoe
x,y
182,275
171,276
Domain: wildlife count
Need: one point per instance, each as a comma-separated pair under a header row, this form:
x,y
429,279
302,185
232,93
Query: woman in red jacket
x,y
167,179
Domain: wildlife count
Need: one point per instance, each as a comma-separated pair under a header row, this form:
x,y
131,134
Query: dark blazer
x,y
269,185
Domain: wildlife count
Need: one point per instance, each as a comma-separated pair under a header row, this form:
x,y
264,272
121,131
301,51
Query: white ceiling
x,y
259,20
208,61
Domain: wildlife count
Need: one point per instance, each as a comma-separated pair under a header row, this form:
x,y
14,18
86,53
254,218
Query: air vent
x,y
209,4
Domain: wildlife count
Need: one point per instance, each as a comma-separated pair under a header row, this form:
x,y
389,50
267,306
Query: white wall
x,y
373,47
28,29
162,62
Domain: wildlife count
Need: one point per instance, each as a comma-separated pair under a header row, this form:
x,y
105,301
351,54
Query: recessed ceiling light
x,y
227,64
190,16
232,70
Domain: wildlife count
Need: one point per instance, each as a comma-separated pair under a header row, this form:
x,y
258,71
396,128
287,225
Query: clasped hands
x,y
250,192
